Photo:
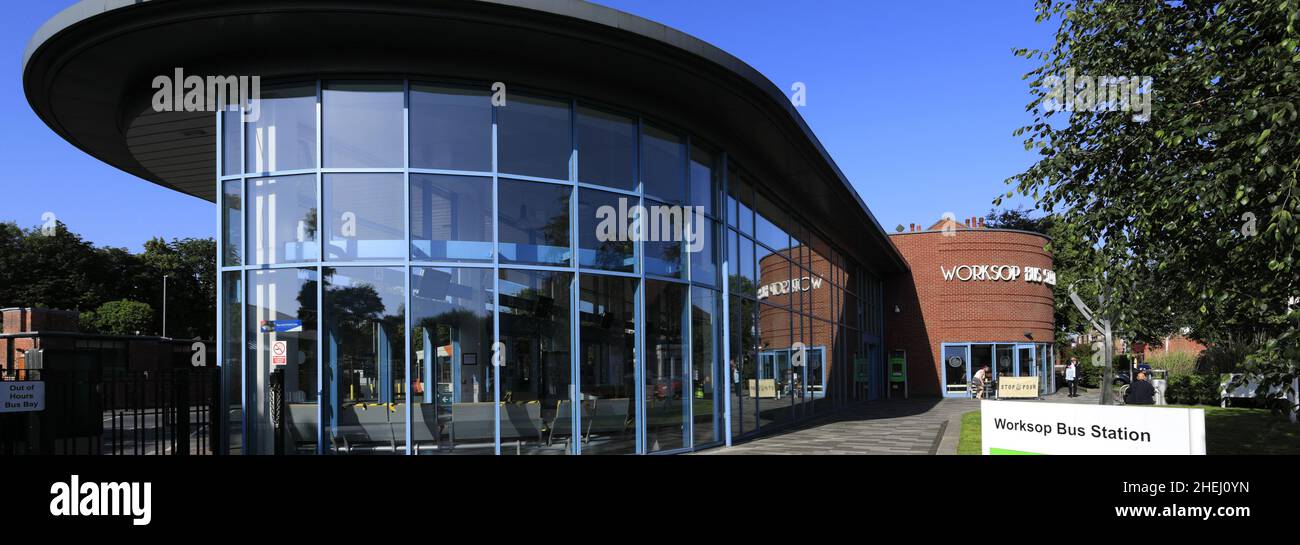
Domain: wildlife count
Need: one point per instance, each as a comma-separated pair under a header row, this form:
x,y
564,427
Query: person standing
x,y
1072,376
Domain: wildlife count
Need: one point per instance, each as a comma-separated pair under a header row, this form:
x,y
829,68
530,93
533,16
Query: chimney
x,y
981,223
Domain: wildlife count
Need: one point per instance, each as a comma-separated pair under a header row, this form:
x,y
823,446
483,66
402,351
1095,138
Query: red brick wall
x,y
935,311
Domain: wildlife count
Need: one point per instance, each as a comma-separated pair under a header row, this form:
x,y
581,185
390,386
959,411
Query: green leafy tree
x,y
124,317
1192,212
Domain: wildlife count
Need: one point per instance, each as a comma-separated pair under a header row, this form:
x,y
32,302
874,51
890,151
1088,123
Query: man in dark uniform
x,y
1141,392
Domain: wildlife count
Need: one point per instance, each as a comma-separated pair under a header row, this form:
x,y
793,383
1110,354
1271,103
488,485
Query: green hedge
x,y
1193,389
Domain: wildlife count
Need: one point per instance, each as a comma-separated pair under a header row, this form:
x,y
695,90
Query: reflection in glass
x,y
663,164
704,263
451,361
231,161
606,149
663,254
536,406
665,402
451,128
704,180
281,361
534,222
232,228
607,363
533,137
363,124
282,219
360,219
365,360
600,246
284,135
451,218
706,373
775,374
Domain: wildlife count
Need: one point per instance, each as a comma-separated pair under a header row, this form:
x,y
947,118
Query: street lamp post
x,y
164,316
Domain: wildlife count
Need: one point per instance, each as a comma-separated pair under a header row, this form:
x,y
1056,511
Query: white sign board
x,y
1019,427
279,353
22,396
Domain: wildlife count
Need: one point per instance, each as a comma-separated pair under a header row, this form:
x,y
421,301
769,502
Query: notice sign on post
x,y
1017,387
22,396
279,353
1019,427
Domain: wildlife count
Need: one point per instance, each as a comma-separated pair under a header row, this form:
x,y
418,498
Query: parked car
x,y
1121,378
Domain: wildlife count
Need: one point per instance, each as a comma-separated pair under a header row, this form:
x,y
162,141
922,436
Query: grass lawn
x,y
1227,431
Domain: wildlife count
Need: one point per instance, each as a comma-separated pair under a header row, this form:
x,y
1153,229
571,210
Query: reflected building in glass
x,y
413,258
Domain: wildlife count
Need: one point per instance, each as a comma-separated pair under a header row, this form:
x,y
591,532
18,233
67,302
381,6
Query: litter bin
x,y
1160,382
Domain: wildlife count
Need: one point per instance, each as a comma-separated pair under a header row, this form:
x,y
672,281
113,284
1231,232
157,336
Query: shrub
x,y
1177,363
1193,389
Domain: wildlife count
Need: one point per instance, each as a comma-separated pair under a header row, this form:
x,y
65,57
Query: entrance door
x,y
1026,363
956,371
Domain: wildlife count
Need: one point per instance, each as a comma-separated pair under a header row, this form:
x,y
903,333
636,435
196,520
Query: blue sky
x,y
916,102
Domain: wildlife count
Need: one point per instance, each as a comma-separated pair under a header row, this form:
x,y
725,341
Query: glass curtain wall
x,y
538,323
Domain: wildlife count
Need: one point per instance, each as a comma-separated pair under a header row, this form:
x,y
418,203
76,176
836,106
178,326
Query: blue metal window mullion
x,y
639,254
575,313
320,289
406,270
496,294
688,351
725,246
223,433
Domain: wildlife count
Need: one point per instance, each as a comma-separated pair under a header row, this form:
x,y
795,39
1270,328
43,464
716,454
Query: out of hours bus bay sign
x,y
22,396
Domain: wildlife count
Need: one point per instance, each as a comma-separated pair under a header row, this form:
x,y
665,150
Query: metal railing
x,y
114,412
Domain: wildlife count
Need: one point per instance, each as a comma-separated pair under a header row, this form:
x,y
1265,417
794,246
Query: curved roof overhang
x,y
88,72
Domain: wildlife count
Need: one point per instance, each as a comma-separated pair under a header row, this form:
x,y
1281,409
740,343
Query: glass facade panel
x,y
606,149
663,164
706,371
284,135
607,364
663,250
451,218
775,373
365,360
533,137
704,180
359,221
282,219
452,399
286,387
232,228
231,160
451,128
533,226
704,262
665,375
232,369
280,363
536,383
370,120
600,245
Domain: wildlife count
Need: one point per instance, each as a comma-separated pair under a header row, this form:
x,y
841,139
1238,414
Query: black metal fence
x,y
114,412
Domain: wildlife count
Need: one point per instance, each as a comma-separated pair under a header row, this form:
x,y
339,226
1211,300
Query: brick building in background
x,y
58,336
974,296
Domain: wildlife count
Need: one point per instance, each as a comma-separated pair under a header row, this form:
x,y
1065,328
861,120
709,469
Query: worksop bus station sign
x,y
996,273
1017,427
